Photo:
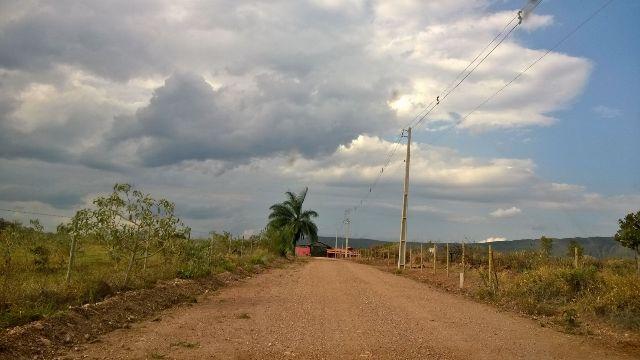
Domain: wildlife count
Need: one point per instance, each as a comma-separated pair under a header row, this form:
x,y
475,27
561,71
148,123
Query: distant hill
x,y
598,247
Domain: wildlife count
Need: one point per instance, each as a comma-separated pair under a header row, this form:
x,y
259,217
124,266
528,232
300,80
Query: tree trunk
x,y
72,255
130,266
146,251
146,255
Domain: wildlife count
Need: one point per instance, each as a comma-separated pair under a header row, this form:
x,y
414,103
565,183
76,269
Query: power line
x,y
562,40
448,91
480,53
35,213
25,212
502,39
434,103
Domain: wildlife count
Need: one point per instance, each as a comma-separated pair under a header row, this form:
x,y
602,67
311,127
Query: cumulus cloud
x,y
505,213
115,93
219,105
435,171
187,119
444,173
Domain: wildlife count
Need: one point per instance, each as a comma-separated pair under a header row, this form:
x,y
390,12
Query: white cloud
x,y
505,213
369,62
493,239
606,112
288,114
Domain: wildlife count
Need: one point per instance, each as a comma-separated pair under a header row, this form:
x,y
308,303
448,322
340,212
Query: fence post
x,y
421,259
435,250
72,257
211,250
490,267
410,257
575,257
463,263
447,260
462,272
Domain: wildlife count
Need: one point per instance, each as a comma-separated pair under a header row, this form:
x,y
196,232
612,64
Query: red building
x,y
303,250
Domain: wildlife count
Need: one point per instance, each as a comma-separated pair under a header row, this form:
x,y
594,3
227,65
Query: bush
x,y
618,300
96,291
518,260
195,260
579,280
260,257
546,290
41,257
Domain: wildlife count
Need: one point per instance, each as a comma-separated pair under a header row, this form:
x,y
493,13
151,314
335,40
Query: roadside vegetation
x,y
127,240
574,291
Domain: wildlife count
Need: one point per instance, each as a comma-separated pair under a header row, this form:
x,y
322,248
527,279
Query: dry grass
x,y
604,291
30,290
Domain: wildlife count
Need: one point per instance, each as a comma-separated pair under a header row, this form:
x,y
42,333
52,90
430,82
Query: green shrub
x,y
41,257
518,260
195,260
260,257
96,291
618,300
549,288
580,279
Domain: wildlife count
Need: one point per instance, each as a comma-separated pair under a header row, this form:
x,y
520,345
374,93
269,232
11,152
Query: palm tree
x,y
289,216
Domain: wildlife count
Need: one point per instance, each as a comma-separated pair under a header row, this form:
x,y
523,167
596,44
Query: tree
x,y
134,224
15,235
277,240
11,237
289,218
573,244
81,224
628,235
546,245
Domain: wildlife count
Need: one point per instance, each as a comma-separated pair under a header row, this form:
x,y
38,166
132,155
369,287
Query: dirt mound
x,y
50,337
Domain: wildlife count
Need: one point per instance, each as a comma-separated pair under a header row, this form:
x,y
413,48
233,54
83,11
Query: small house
x,y
318,249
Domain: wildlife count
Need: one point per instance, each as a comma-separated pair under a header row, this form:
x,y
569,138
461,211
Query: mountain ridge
x,y
597,246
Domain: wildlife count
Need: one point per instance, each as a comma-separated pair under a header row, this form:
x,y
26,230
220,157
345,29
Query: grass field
x,y
32,281
606,291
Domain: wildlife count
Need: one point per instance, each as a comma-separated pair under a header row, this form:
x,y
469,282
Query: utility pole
x,y
347,229
336,255
402,249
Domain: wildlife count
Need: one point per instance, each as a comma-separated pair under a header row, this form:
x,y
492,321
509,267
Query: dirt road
x,y
337,309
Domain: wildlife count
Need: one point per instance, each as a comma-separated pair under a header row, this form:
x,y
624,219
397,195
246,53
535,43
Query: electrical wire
x,y
562,40
25,212
35,213
434,103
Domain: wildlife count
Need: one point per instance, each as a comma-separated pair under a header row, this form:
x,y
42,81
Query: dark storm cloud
x,y
303,102
106,38
207,212
187,119
59,198
62,186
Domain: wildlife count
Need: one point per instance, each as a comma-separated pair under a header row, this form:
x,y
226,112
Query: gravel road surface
x,y
328,309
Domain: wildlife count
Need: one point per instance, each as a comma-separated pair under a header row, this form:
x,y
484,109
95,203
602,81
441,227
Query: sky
x,y
223,106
